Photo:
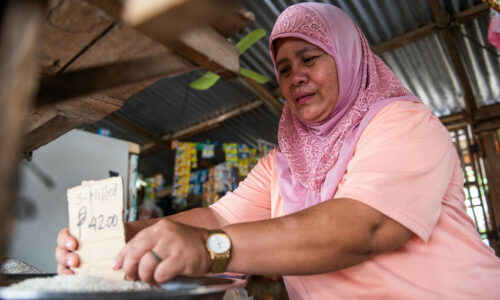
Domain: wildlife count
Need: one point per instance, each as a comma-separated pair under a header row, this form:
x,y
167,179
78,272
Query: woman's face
x,y
307,77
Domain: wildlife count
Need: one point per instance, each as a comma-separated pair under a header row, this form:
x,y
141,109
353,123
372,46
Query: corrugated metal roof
x,y
423,66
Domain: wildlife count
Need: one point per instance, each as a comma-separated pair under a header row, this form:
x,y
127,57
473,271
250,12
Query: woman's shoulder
x,y
403,108
406,115
405,121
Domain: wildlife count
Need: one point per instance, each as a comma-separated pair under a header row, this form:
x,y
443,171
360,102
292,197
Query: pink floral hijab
x,y
312,157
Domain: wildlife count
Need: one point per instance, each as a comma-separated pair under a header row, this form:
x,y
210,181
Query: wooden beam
x,y
96,79
234,21
151,147
487,113
452,120
49,131
235,18
21,24
182,25
443,18
132,128
405,39
419,33
198,128
208,49
472,13
203,126
487,118
484,118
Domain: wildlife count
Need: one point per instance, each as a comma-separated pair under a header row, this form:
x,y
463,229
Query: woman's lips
x,y
303,98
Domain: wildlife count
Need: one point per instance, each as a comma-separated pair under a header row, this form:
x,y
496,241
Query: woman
x,y
362,199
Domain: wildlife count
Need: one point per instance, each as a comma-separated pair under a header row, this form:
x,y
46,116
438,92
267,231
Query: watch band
x,y
219,263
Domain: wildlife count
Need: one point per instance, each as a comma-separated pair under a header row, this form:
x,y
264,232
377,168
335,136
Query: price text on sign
x,y
96,220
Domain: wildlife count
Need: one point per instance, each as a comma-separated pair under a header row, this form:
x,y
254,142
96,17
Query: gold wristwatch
x,y
219,247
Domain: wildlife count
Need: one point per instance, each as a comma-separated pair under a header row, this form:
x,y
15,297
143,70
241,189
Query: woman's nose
x,y
298,77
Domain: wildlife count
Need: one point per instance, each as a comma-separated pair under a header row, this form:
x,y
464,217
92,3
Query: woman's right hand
x,y
65,257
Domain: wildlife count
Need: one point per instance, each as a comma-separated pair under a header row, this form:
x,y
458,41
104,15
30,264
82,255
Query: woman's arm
x,y
330,236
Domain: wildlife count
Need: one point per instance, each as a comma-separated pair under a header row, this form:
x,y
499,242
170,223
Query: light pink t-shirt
x,y
406,167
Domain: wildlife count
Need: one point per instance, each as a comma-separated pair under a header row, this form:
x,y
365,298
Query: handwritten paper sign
x,y
96,221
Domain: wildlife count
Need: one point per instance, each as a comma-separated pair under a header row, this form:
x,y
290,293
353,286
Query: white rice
x,y
14,266
79,283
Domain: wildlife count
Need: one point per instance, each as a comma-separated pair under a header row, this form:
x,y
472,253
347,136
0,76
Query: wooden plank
x,y
200,127
120,43
20,32
39,117
89,109
69,27
97,79
49,131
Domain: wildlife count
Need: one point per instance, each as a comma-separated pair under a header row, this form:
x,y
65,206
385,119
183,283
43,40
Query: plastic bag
x,y
494,29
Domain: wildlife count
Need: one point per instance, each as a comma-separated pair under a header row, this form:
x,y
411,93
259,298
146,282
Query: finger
x,y
130,259
61,237
72,260
147,266
65,240
60,254
167,270
64,270
133,251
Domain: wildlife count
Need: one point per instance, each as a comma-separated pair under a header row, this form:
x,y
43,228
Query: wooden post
x,y
490,149
442,18
19,48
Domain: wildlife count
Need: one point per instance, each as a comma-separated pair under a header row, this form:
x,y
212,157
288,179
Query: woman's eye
x,y
284,71
310,59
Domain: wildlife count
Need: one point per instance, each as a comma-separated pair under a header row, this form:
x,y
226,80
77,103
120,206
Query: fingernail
x,y
114,265
69,262
69,245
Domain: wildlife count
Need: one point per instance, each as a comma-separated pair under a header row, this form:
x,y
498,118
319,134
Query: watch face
x,y
218,243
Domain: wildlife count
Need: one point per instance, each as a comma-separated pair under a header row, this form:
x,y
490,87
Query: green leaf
x,y
254,75
205,82
250,39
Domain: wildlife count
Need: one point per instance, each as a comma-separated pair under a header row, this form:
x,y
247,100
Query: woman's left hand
x,y
181,249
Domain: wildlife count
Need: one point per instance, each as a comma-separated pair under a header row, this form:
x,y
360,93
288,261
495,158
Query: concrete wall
x,y
73,157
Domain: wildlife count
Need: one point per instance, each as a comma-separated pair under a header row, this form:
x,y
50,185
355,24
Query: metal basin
x,y
177,288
